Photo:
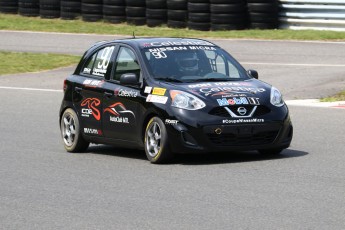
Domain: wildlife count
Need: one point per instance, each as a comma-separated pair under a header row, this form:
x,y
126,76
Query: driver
x,y
187,63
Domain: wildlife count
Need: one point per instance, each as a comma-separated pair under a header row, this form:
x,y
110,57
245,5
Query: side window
x,y
126,62
98,64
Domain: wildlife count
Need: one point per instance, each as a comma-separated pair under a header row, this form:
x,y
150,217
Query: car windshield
x,y
192,64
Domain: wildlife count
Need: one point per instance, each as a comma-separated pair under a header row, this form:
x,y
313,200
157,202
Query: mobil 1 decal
x,y
102,61
238,101
118,113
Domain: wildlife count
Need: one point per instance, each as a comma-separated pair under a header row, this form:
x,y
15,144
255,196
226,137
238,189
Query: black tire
x,y
114,10
72,142
92,17
135,11
260,19
156,4
198,7
114,2
199,17
155,22
9,9
114,19
178,15
49,13
98,2
262,1
263,26
136,3
91,8
157,149
8,3
137,21
222,27
270,151
199,26
227,8
177,4
228,18
160,14
263,7
69,15
177,24
29,12
225,1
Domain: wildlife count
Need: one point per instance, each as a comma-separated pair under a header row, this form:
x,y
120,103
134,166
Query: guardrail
x,y
312,14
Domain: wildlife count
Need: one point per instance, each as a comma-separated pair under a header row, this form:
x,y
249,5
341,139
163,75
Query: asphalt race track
x,y
43,187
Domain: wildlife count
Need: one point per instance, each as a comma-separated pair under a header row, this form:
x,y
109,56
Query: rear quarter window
x,y
97,64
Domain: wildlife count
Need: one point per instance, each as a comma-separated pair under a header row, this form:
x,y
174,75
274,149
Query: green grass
x,y
12,62
337,97
16,22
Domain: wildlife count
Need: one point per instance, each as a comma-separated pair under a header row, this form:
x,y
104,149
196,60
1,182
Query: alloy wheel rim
x,y
153,142
68,130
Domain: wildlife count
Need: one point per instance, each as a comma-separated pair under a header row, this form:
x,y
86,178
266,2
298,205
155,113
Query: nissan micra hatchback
x,y
169,96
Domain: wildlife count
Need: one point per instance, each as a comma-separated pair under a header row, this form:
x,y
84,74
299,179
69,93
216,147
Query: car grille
x,y
230,139
221,111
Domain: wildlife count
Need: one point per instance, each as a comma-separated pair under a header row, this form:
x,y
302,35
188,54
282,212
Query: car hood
x,y
223,93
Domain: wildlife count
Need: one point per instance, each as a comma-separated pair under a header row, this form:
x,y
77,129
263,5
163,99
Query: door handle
x,y
108,94
78,89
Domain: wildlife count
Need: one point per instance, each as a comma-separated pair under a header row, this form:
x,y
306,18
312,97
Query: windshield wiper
x,y
168,79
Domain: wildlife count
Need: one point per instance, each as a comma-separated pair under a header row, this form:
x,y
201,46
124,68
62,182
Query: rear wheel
x,y
156,142
71,133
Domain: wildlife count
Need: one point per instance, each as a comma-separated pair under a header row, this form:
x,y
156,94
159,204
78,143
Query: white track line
x,y
292,64
31,89
305,102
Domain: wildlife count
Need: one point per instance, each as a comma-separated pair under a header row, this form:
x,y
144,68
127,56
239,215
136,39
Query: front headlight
x,y
276,97
183,100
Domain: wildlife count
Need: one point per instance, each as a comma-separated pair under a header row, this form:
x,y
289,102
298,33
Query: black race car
x,y
168,96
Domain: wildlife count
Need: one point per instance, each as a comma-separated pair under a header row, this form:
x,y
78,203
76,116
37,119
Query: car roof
x,y
162,41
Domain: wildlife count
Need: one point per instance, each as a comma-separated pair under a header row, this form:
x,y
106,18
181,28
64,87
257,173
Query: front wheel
x,y
71,133
156,142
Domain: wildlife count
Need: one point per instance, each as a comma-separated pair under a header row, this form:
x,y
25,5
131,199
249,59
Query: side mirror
x,y
253,73
129,79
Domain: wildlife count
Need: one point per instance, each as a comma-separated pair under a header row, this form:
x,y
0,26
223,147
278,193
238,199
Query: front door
x,y
121,103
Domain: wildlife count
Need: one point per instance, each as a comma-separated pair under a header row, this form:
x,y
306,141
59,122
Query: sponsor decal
x,y
203,85
87,70
119,113
125,93
161,52
92,131
148,89
157,99
93,83
251,120
238,101
177,43
171,122
92,104
159,91
103,61
235,89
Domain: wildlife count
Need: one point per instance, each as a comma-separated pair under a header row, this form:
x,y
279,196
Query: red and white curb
x,y
316,103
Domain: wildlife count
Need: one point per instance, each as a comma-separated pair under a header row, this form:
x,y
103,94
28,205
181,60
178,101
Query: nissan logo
x,y
241,110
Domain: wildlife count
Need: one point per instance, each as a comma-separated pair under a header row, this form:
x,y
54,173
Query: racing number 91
x,y
105,57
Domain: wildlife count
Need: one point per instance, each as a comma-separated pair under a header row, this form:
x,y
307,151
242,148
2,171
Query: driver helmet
x,y
188,63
